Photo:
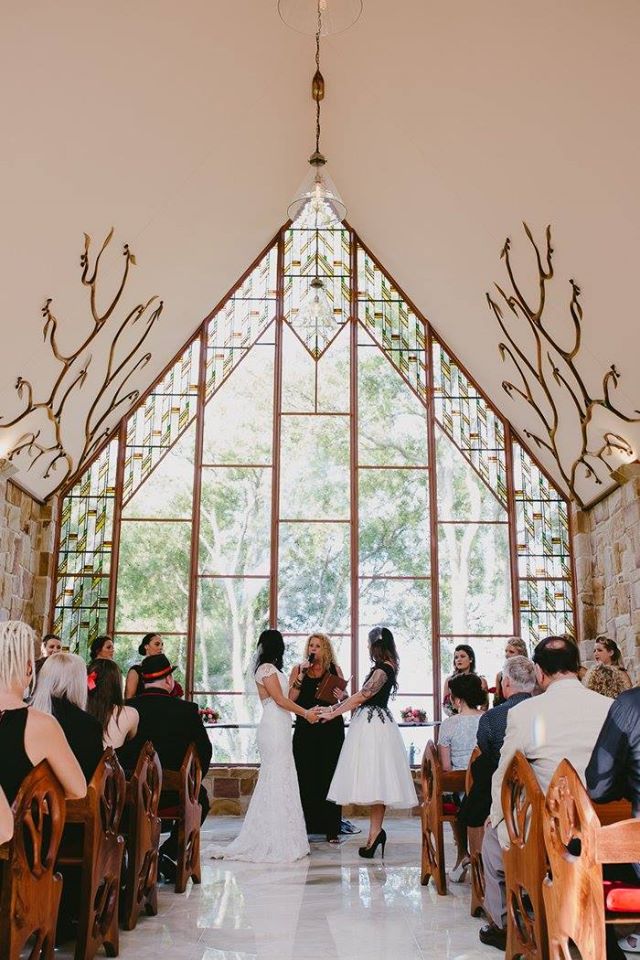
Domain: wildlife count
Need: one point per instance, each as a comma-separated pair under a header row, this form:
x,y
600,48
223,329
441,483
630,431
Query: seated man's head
x,y
556,658
518,676
157,673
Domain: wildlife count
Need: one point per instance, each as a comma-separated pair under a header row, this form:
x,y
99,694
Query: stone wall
x,y
230,789
27,532
607,549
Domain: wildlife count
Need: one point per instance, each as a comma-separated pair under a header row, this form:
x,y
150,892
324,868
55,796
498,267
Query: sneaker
x,y
347,827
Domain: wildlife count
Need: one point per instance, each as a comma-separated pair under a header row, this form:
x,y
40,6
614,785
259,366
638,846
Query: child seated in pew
x,y
456,741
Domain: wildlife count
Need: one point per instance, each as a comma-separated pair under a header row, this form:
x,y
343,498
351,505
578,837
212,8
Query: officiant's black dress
x,y
316,748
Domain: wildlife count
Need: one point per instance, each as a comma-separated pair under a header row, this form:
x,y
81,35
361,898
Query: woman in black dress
x,y
317,746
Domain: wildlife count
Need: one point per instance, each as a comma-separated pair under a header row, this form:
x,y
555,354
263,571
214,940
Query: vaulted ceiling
x,y
186,128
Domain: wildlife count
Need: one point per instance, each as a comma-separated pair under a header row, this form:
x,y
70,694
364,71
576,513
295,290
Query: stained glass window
x,y
328,477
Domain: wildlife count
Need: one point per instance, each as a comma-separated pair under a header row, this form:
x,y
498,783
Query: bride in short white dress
x,y
274,830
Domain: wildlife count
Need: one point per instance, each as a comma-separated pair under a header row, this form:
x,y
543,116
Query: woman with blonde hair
x,y
515,647
26,734
317,746
62,692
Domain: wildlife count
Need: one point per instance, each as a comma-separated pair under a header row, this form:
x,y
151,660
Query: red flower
x,y
91,679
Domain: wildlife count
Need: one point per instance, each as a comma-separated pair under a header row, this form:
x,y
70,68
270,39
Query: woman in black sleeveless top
x,y
316,746
28,736
373,768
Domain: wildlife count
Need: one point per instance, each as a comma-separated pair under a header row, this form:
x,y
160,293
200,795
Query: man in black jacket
x,y
171,724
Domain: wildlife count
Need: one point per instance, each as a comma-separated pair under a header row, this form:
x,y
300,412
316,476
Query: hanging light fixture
x,y
318,204
337,15
315,321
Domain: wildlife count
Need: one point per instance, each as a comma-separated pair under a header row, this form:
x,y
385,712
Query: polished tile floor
x,y
331,906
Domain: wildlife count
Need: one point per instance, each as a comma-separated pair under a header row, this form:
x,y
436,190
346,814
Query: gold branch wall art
x,y
109,356
545,362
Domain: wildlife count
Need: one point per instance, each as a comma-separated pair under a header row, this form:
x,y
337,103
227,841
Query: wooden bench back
x,y
29,887
186,783
434,783
475,836
577,845
142,838
99,815
525,861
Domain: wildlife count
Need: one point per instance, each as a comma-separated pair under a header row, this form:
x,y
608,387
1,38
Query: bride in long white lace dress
x,y
274,829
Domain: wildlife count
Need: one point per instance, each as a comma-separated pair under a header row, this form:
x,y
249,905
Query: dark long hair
x,y
610,645
105,697
470,652
382,647
97,646
270,649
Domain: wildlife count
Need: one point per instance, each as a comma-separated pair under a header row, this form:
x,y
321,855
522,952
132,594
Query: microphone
x,y
311,657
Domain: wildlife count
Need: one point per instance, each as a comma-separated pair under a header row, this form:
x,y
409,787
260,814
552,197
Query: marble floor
x,y
331,906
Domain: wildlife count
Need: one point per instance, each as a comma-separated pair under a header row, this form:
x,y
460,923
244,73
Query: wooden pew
x,y
580,837
142,838
525,863
186,810
475,837
434,783
98,855
29,887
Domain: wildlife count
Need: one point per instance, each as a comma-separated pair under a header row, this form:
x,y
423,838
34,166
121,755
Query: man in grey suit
x,y
563,722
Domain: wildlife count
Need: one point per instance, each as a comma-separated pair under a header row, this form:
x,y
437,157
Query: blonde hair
x,y
17,652
327,656
64,675
518,644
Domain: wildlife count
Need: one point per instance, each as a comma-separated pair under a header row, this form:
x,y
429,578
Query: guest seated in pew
x,y
6,819
62,692
171,724
51,644
606,679
518,679
563,722
118,722
613,772
456,740
26,734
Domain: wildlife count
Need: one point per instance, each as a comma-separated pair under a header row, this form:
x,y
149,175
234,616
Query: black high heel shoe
x,y
368,852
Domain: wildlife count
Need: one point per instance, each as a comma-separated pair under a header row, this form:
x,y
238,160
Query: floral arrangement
x,y
209,715
413,715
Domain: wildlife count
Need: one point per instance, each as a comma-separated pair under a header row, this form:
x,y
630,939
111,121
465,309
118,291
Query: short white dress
x,y
373,765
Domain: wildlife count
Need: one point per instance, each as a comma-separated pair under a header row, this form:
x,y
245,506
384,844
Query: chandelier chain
x,y
318,32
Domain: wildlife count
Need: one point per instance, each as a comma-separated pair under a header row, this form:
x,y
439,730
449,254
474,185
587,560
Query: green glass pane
x,y
168,489
393,510
153,576
392,426
314,578
333,376
238,422
81,611
235,520
462,493
298,375
315,468
232,612
546,608
405,607
475,578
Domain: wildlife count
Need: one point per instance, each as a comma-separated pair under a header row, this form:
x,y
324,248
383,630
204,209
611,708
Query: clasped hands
x,y
315,714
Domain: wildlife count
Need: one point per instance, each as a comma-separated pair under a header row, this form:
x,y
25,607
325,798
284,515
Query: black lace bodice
x,y
381,696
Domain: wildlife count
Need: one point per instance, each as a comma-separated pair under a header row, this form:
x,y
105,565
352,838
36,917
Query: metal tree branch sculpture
x,y
550,361
44,443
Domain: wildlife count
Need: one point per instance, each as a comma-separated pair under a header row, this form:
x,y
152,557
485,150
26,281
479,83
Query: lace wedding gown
x,y
273,830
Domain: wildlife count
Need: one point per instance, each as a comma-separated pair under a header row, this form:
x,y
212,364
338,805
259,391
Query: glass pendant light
x,y
337,15
315,322
318,204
